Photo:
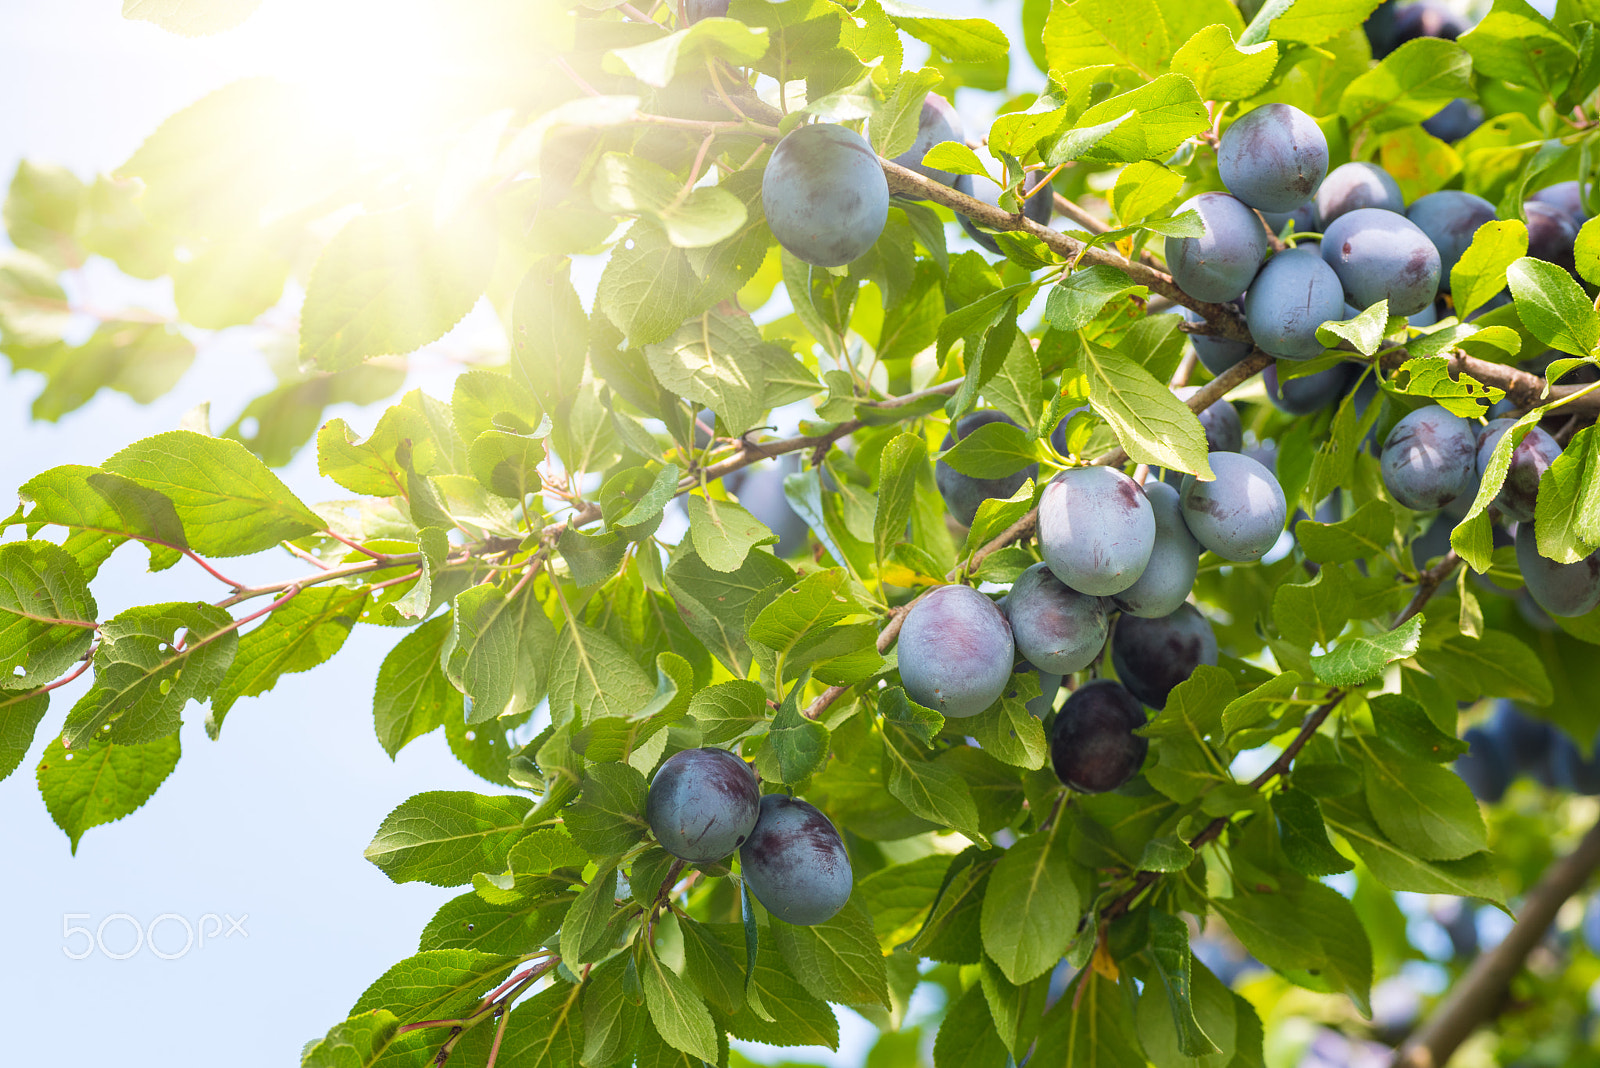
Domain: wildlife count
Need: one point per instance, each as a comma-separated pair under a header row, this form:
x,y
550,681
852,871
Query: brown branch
x,y
1526,391
1478,996
886,637
1428,584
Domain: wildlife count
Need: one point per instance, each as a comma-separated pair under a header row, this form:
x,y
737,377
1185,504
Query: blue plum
x,y
1096,529
1529,460
795,862
1092,745
1573,770
825,195
1240,513
1563,195
1449,219
963,493
1217,353
1455,120
1049,687
696,10
1174,562
1058,436
1154,655
761,494
1560,589
1304,218
1485,767
1552,234
1352,186
1430,458
938,122
1425,18
1273,157
1295,293
702,804
1524,739
955,651
1057,629
1219,265
1307,393
1220,421
1381,255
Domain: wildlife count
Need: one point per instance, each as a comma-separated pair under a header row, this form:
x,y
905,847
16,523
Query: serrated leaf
x,y
723,532
1304,835
1567,510
101,781
1480,273
679,1015
1031,909
1367,531
608,817
1076,300
1169,948
412,695
544,1031
1366,331
1361,658
837,960
1409,85
583,930
443,837
1553,307
1398,869
1152,425
47,614
728,710
296,637
1222,71
657,62
359,1041
497,649
433,984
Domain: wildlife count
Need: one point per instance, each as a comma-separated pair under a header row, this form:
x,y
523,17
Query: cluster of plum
x,y
1513,743
705,803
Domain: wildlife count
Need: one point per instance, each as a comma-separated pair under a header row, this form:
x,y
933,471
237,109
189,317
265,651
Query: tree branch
x,y
1478,996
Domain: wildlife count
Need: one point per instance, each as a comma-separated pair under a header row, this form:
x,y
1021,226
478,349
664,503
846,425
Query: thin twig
x,y
1428,584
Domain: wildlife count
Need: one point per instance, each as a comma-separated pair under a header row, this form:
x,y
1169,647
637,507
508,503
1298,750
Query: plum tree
x,y
795,863
1218,265
1273,157
1295,293
824,194
1092,745
1174,560
1096,529
1484,767
938,122
964,493
1151,656
1306,393
1430,458
1449,218
1216,353
1566,196
1552,234
1530,459
956,651
1352,186
702,804
1560,589
1382,255
1240,513
1220,421
1056,628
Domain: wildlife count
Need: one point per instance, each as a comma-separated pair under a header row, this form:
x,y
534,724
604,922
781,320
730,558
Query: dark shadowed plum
x,y
1154,655
1049,687
1552,233
1219,265
702,804
1096,529
1529,460
1455,120
1563,195
1295,293
1174,562
761,494
1058,436
1425,18
1430,458
1307,393
795,862
1240,513
1351,186
955,651
1273,157
1484,767
962,493
938,122
1092,745
1055,627
1217,353
1378,254
1521,737
705,9
825,195
1575,772
1220,421
1039,206
1560,589
1449,219
1304,217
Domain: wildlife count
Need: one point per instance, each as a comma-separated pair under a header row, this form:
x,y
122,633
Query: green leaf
x,y
1314,613
628,185
101,781
1160,116
956,158
1361,658
1480,273
1255,707
680,1017
608,817
361,1040
230,504
713,603
413,696
928,788
1471,537
1459,393
33,306
723,533
297,637
1077,299
1366,331
47,614
1307,932
42,208
993,450
967,1035
1091,1026
903,458
1169,948
1309,22
1089,32
614,739
965,40
467,921
434,984
20,714
796,746
1399,869
1567,510
1144,189
591,673
443,837
497,649
837,960
1515,43
1424,808
583,931
1587,253
389,283
544,1031
1497,665
142,680
657,62
1304,836
1221,70
1404,724
709,966
728,710
1409,85
1368,530
1553,306
719,361
1151,424
1009,732
613,1011
648,288
1031,910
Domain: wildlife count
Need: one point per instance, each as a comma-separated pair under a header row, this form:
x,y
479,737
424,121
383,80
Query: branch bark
x,y
1478,996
